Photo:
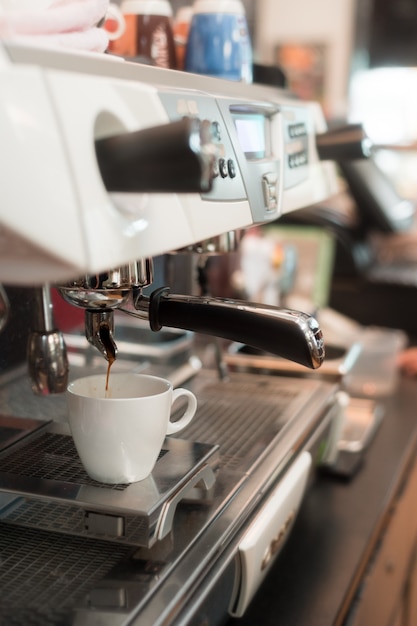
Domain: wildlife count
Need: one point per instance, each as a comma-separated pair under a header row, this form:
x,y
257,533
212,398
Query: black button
x,y
215,129
231,168
223,168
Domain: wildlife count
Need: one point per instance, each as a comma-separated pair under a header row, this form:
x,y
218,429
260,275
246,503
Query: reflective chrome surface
x,y
140,513
222,244
101,294
110,289
260,423
48,362
99,328
47,355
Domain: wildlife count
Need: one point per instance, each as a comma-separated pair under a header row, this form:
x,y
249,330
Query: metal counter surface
x,y
312,580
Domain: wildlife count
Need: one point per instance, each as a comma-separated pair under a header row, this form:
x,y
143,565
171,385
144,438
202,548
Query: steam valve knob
x,y
178,157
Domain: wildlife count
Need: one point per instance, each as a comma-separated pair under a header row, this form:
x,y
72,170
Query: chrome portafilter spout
x,y
46,350
99,330
101,294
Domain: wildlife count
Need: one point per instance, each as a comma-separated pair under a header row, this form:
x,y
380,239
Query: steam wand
x,y
47,354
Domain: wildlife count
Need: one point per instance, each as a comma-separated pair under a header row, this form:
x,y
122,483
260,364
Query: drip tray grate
x,y
53,456
239,421
54,492
42,576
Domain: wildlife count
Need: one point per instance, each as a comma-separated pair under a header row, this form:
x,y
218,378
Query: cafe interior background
x,y
351,260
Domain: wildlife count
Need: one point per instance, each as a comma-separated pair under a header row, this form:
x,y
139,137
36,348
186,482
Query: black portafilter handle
x,y
177,157
290,334
345,143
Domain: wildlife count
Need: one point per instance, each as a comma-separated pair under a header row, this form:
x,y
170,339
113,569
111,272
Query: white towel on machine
x,y
71,24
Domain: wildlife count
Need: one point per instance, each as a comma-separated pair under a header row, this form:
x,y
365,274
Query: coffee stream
x,y
105,336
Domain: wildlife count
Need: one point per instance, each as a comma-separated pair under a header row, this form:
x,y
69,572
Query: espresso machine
x,y
105,165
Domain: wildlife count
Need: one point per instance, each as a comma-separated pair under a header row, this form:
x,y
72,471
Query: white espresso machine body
x,y
58,220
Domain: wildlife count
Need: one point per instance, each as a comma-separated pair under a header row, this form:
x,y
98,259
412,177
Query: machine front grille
x,y
51,456
44,575
243,417
71,519
53,572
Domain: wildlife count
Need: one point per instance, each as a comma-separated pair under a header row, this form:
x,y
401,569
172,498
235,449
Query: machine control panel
x,y
247,138
296,145
270,188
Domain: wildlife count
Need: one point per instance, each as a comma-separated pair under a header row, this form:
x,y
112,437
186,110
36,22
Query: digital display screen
x,y
251,132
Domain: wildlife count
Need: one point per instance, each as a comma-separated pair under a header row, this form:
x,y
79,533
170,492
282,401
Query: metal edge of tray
x,y
180,461
214,548
332,368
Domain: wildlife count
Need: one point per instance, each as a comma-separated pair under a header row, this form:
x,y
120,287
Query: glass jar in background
x,y
219,41
148,34
375,372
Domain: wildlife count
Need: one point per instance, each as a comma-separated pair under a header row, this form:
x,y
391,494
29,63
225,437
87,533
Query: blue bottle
x,y
219,42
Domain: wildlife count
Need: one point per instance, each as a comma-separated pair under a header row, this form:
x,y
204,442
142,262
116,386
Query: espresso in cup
x,y
119,433
148,34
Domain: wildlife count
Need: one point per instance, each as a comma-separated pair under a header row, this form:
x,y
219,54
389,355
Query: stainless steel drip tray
x,y
51,575
242,422
52,490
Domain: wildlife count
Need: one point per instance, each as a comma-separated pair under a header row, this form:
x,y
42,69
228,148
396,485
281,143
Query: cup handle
x,y
114,16
174,427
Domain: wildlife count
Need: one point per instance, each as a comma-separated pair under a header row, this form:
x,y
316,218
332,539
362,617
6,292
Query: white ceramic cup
x,y
119,433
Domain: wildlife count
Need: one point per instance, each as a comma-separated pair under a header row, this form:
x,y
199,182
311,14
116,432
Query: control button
x,y
269,185
297,130
215,129
231,168
297,159
223,168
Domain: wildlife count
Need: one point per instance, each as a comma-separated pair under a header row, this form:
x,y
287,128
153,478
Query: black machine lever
x,y
289,334
178,157
345,143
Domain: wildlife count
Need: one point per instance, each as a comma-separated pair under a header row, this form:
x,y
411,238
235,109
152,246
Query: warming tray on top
x,y
44,472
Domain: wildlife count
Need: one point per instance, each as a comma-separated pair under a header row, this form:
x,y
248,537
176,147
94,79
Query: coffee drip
x,y
111,350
